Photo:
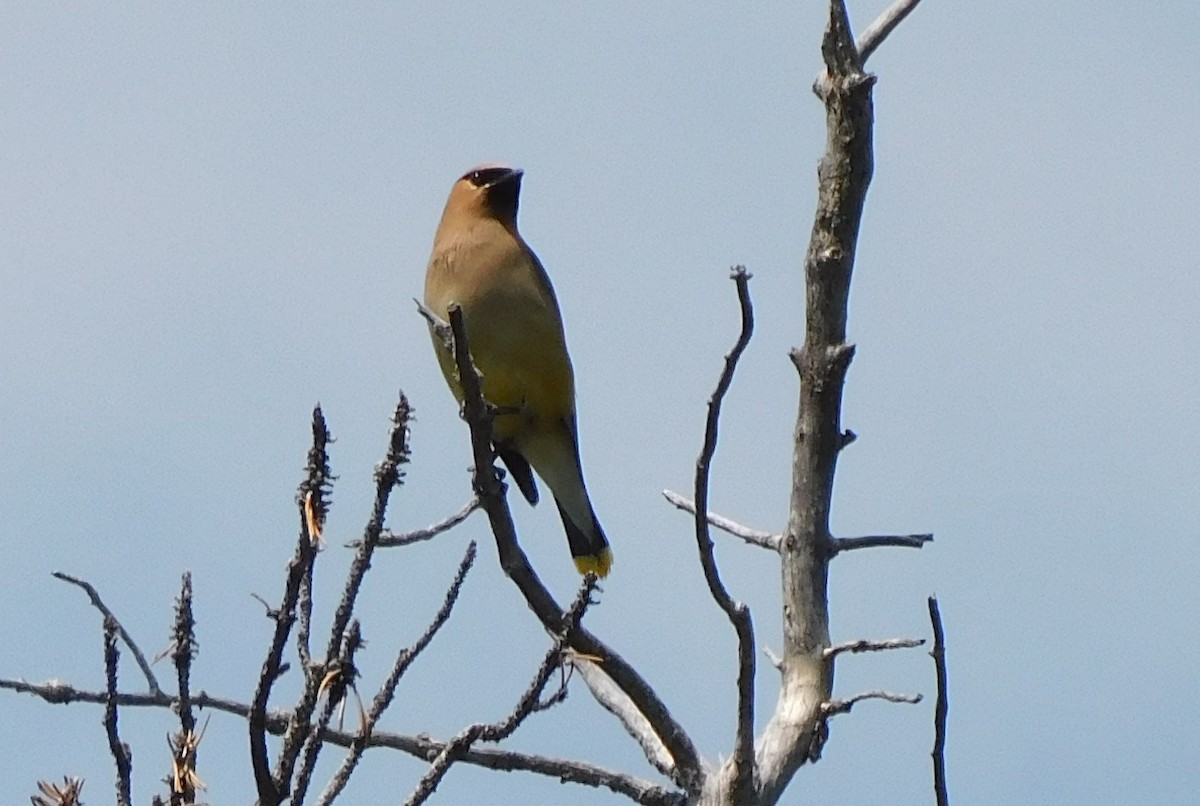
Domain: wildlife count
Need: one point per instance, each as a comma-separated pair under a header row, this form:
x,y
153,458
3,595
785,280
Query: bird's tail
x,y
589,546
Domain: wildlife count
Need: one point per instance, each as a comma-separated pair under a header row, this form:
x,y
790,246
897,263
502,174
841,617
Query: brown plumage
x,y
516,335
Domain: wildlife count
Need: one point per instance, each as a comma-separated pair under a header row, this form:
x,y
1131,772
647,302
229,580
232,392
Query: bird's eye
x,y
481,177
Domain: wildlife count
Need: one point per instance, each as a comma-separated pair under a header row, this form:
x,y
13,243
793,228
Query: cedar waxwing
x,y
516,338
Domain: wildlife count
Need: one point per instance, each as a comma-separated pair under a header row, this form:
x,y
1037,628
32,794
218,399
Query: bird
x,y
516,337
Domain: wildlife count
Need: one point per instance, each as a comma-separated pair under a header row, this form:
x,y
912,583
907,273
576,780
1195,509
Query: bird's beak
x,y
513,175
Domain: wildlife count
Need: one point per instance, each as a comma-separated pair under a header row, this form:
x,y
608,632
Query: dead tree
x,y
759,768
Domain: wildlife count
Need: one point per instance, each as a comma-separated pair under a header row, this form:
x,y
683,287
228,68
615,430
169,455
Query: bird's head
x,y
490,190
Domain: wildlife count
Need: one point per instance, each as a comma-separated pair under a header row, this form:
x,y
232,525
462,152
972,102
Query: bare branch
x,y
883,25
424,747
119,749
839,544
617,702
740,769
337,681
284,617
529,702
388,539
98,603
304,608
313,498
775,660
184,778
388,475
687,770
872,646
384,698
315,486
184,643
754,537
834,707
941,708
797,729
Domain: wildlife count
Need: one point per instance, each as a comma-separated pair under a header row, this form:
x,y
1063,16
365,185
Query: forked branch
x,y
797,729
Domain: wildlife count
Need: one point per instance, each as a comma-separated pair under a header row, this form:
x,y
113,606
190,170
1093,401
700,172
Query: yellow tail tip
x,y
598,564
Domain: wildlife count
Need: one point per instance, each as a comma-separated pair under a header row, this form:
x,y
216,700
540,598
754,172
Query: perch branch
x,y
739,771
941,708
754,537
687,770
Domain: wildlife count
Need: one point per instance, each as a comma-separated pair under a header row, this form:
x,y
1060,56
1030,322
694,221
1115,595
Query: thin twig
x,y
864,645
98,603
942,707
119,749
184,643
388,475
687,772
314,486
883,25
839,544
843,706
268,792
186,742
529,702
755,537
743,763
338,681
384,698
313,499
388,539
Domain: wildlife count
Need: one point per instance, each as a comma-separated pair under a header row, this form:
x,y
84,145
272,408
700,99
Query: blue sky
x,y
216,215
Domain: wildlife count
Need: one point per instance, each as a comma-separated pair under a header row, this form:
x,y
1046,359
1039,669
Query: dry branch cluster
x,y
759,768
